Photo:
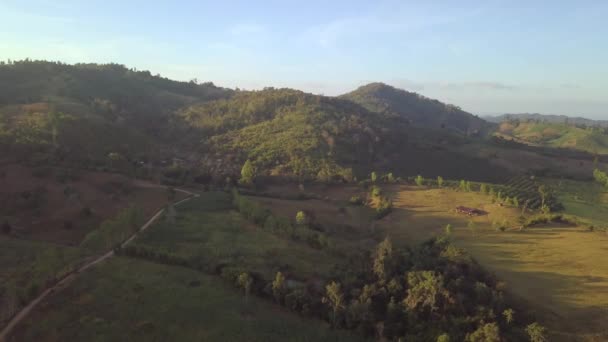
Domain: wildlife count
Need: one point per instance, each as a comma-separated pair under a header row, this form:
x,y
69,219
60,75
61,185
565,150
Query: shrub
x,y
356,200
419,180
439,181
384,207
301,218
376,191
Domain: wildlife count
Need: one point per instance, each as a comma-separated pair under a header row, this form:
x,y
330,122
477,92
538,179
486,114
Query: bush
x,y
376,191
419,180
356,200
384,207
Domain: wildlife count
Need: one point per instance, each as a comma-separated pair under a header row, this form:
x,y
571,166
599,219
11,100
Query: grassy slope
x,y
134,300
208,229
557,135
28,265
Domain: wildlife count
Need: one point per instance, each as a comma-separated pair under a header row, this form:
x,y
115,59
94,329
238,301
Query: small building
x,y
469,211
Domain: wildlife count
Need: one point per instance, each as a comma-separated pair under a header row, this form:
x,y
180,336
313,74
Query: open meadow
x,y
134,300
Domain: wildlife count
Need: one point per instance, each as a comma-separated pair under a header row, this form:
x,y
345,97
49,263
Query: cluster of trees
x,y
303,228
434,292
600,177
114,231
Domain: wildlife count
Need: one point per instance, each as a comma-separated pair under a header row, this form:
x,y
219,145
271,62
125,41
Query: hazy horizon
x,y
485,57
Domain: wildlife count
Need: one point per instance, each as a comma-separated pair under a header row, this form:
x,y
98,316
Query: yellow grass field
x,y
560,271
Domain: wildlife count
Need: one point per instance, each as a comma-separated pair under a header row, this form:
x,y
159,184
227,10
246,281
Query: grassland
x,y
208,230
26,267
558,271
557,135
587,200
133,300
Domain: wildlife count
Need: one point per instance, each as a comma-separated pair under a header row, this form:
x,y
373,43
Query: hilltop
x,y
417,109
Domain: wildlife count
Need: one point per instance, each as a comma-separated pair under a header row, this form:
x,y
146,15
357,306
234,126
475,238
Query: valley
x,y
379,214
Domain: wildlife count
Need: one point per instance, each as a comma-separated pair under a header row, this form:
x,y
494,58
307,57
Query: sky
x,y
488,57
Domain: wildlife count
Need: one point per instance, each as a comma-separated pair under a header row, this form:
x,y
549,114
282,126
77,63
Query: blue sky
x,y
485,56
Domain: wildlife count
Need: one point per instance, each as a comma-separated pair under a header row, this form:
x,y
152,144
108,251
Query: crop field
x,y
133,300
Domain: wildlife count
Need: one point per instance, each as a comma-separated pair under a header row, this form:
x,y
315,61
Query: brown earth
x,y
62,206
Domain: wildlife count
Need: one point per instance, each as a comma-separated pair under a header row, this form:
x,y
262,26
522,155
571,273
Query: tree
x,y
439,181
443,338
483,188
390,178
334,298
55,119
247,173
463,185
542,191
537,332
419,180
509,314
382,255
448,229
425,290
374,177
245,281
301,218
114,157
278,287
487,333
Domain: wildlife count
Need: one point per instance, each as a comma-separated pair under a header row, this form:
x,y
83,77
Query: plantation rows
x,y
529,191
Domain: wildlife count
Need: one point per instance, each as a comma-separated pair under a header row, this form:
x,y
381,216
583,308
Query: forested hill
x,y
87,114
419,110
289,132
86,111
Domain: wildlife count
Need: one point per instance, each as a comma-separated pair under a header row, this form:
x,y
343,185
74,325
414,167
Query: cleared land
x,y
134,300
64,205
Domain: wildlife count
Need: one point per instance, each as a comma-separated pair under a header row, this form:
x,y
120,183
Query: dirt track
x,y
72,275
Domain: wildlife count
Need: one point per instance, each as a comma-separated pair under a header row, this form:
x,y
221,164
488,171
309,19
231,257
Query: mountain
x,y
547,118
83,112
417,109
291,133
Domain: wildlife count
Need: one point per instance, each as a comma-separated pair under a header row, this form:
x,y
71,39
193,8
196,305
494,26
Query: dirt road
x,y
72,275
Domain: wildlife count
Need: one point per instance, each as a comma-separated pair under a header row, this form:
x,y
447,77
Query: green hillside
x,y
289,132
417,109
85,111
589,139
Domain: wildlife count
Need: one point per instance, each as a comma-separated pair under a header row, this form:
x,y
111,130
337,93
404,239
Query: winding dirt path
x,y
72,275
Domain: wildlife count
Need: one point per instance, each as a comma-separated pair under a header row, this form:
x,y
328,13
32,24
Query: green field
x,y
208,230
26,267
132,300
587,200
557,135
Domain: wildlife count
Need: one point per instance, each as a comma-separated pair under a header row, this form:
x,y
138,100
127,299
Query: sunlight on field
x,y
561,270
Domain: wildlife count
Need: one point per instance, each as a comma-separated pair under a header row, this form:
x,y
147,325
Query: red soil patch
x,y
51,208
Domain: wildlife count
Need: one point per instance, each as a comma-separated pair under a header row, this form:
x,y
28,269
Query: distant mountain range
x,y
547,118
